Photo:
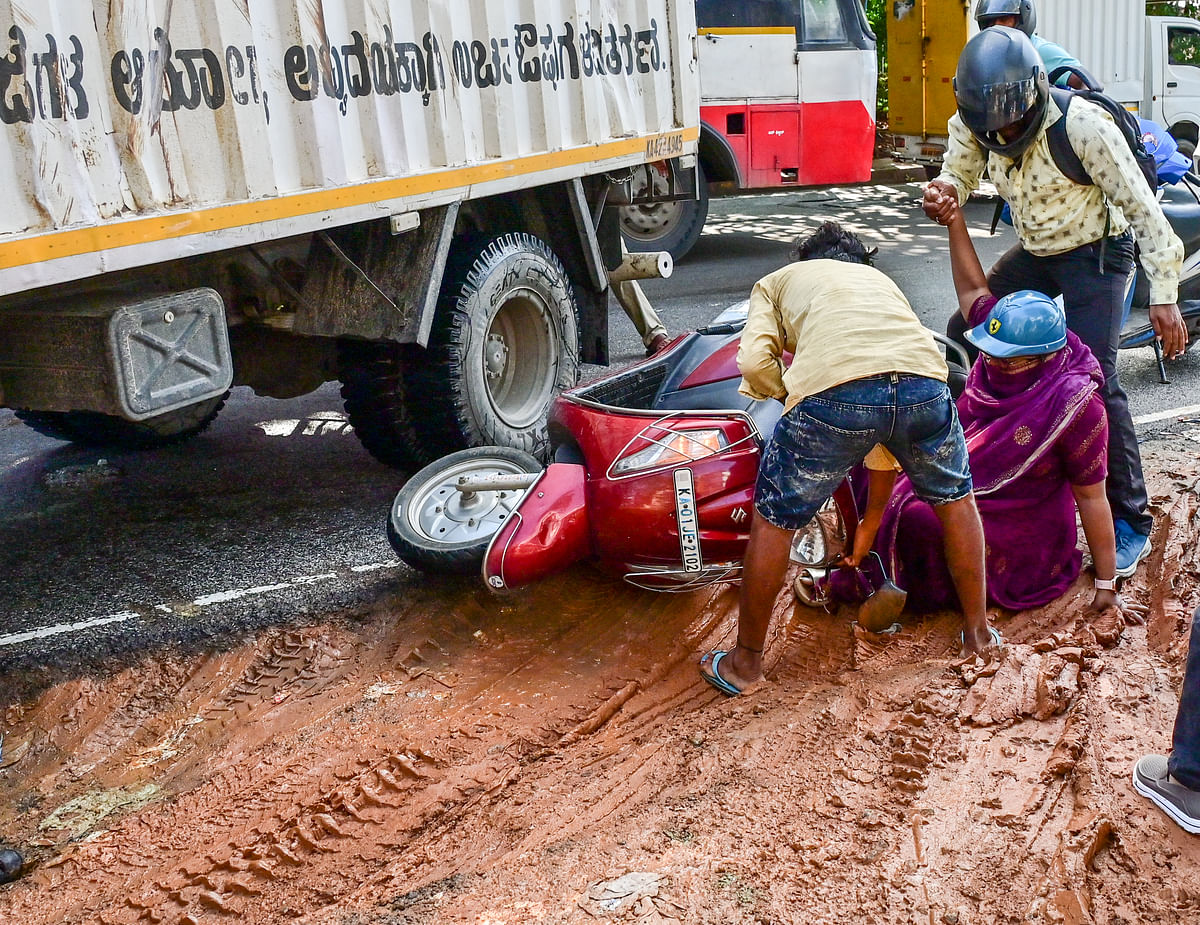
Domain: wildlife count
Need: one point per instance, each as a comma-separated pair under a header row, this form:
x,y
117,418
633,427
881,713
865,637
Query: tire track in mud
x,y
293,813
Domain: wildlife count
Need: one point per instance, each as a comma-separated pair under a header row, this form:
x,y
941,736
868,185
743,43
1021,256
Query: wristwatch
x,y
1106,584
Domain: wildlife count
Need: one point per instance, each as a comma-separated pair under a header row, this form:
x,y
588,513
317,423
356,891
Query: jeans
x,y
817,441
1094,301
1184,760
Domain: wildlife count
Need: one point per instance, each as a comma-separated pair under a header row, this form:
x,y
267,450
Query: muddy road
x,y
248,712
438,756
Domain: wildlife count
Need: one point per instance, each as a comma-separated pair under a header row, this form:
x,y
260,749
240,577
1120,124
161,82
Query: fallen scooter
x,y
652,479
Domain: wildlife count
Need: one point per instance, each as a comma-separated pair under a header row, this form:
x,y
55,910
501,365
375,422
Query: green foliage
x,y
877,17
1189,8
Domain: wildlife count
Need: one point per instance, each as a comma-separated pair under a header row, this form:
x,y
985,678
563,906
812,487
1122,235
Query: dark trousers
x,y
1184,761
1094,299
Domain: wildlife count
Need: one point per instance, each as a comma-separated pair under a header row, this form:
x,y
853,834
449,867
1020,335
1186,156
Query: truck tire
x,y
504,343
666,226
377,401
91,428
433,527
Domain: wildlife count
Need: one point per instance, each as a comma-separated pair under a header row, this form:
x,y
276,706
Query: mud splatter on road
x,y
554,757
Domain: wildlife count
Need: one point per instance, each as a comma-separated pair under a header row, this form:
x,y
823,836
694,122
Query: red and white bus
x,y
787,98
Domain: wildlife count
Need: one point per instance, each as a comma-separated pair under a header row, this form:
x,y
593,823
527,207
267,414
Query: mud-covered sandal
x,y
997,639
710,671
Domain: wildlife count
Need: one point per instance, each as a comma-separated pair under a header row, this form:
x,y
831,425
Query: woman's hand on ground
x,y
1105,601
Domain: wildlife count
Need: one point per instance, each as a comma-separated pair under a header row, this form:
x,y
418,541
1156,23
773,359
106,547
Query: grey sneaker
x,y
1182,804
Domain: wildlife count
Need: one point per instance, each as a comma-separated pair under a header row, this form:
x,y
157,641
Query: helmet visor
x,y
990,107
991,9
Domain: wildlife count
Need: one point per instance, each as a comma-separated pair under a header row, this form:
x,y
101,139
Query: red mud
x,y
556,758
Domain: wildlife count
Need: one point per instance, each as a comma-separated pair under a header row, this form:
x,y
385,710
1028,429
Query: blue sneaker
x,y
1132,548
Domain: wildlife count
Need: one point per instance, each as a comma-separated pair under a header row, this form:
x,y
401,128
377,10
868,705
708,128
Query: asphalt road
x,y
275,514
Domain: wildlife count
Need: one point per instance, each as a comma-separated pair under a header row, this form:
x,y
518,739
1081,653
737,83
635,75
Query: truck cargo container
x,y
418,200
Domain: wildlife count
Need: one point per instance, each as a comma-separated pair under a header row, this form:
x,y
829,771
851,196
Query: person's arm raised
x,y
970,282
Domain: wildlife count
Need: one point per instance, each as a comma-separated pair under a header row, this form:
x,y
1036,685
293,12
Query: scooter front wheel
x,y
445,516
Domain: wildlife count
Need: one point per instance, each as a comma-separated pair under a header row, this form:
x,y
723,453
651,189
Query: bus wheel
x,y
504,343
664,226
91,428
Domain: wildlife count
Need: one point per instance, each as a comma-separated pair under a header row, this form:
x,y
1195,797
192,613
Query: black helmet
x,y
988,11
1001,81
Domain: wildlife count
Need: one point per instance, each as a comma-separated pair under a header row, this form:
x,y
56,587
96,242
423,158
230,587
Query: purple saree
x,y
1031,435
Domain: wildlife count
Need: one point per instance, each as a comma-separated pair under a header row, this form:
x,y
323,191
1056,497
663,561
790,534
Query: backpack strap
x,y
1065,158
1075,70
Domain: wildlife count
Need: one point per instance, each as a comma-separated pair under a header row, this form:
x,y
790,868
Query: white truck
x,y
1151,64
417,199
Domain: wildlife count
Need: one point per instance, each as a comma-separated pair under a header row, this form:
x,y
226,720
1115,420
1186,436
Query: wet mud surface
x,y
446,756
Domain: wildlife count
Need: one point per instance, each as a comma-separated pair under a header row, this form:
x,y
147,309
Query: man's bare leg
x,y
762,576
962,538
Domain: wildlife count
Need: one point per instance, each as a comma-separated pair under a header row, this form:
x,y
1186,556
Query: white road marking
x,y
205,600
224,597
1167,415
13,639
375,566
316,424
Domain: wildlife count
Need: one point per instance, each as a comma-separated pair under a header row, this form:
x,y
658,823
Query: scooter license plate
x,y
688,520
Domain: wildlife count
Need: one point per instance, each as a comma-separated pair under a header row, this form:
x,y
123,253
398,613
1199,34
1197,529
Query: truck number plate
x,y
662,146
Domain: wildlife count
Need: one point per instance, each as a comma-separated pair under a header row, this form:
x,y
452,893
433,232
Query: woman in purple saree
x,y
1037,434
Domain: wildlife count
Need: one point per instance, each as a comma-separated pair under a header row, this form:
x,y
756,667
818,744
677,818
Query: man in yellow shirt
x,y
864,372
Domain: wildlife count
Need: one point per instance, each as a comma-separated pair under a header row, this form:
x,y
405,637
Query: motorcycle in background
x,y
1180,202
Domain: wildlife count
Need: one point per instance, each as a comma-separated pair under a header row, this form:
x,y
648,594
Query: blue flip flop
x,y
712,675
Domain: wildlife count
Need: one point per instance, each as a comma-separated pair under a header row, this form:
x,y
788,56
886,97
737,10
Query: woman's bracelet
x,y
1106,584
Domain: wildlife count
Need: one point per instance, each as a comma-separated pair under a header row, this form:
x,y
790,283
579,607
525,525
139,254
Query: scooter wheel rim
x,y
441,513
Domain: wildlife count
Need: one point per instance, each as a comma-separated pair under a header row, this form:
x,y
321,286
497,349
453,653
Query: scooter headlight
x,y
671,448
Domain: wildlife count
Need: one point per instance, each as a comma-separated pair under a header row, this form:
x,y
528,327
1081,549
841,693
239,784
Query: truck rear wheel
x,y
377,401
504,343
91,428
665,226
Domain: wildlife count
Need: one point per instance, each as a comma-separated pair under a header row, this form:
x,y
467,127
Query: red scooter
x,y
652,478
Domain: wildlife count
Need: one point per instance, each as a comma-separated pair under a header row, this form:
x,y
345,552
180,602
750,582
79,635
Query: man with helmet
x,y
1022,14
1072,239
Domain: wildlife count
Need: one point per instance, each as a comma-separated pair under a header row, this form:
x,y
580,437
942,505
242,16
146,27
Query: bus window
x,y
823,23
721,14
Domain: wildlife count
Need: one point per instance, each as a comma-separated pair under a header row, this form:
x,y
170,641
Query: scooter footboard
x,y
547,532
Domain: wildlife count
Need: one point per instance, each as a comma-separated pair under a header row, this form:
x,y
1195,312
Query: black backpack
x,y
1064,155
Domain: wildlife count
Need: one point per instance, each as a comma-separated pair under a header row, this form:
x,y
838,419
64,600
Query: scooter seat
x,y
1182,209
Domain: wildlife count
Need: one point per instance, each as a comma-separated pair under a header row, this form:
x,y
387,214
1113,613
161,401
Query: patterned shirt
x,y
1052,214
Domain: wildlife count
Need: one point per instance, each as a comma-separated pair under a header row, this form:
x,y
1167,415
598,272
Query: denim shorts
x,y
816,443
